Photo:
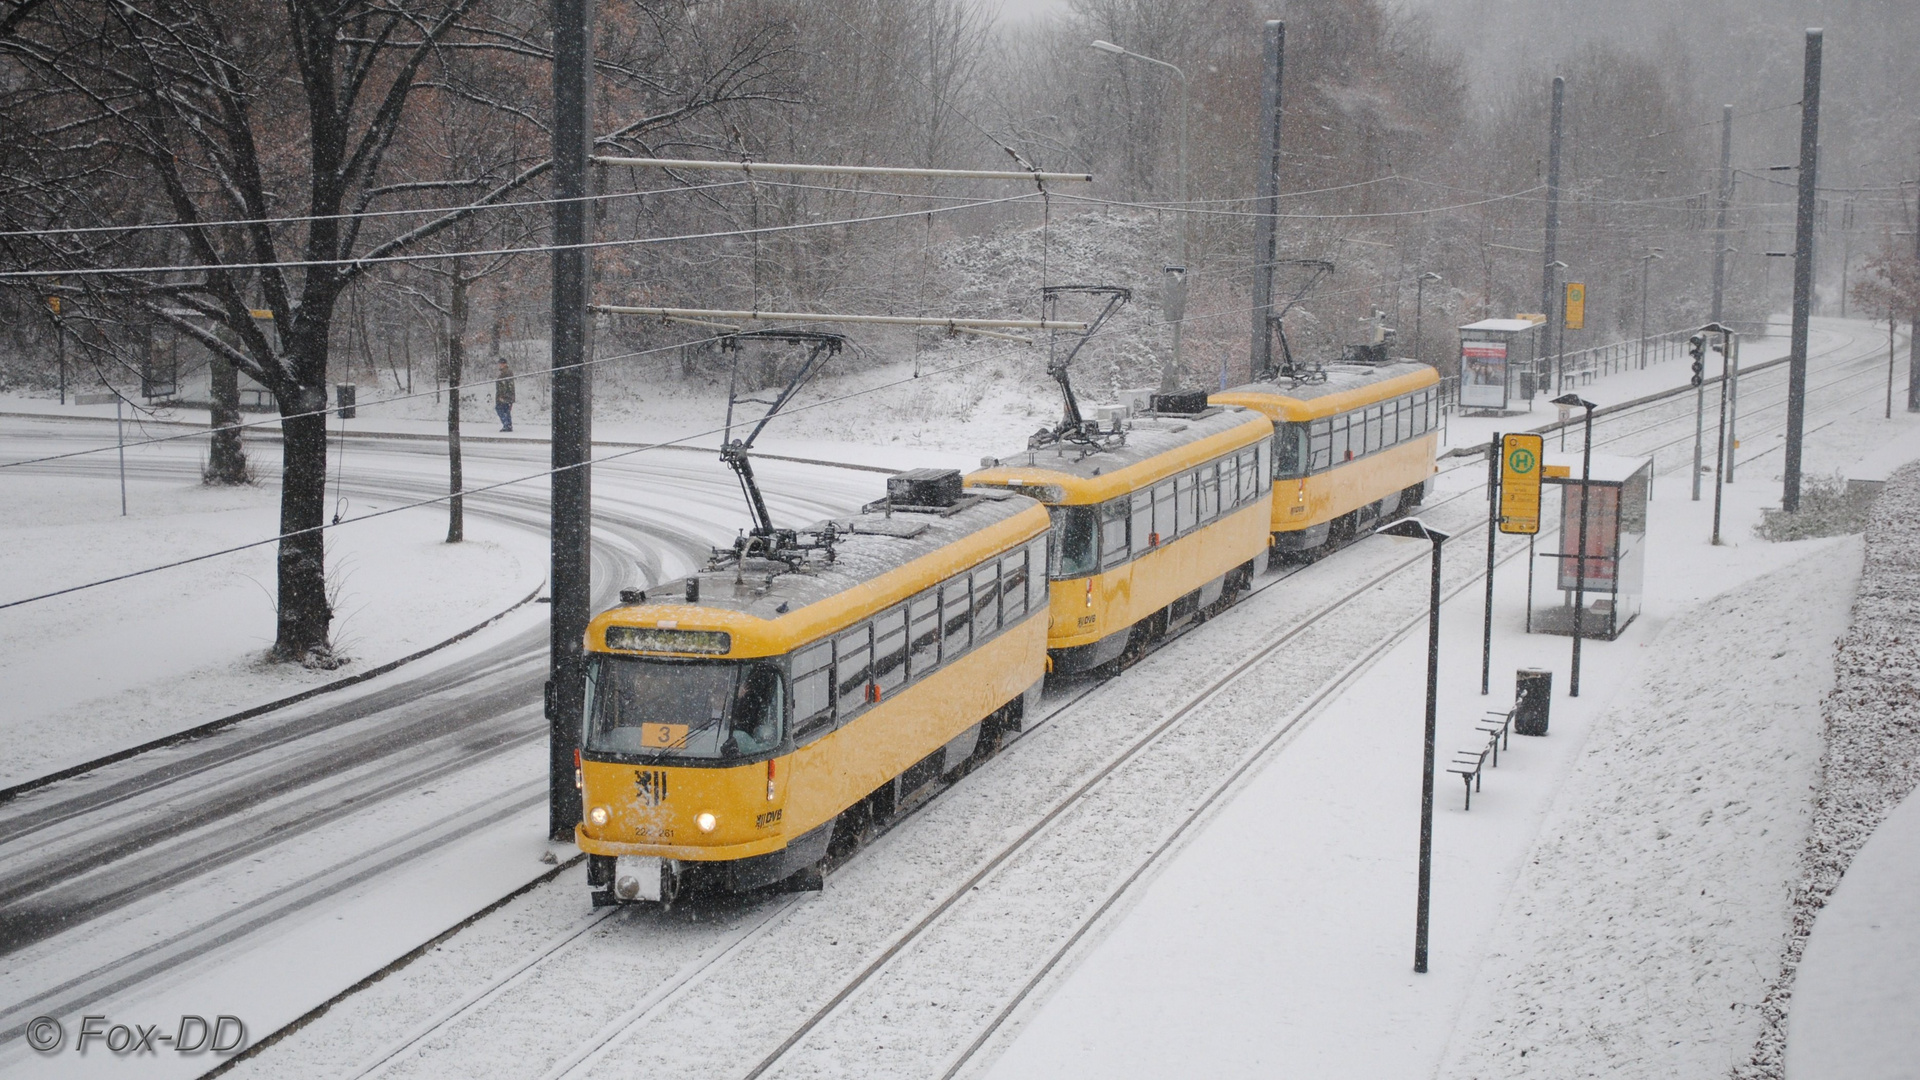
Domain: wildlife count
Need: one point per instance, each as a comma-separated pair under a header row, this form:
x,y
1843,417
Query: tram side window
x,y
923,627
812,690
1113,532
1186,501
1013,585
1075,550
986,600
1262,469
1142,526
1210,490
1322,442
956,618
1342,440
1402,419
1376,428
1037,578
890,649
853,667
1164,526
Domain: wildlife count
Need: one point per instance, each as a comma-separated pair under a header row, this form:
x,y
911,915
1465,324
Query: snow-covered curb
x,y
1872,758
214,725
1636,940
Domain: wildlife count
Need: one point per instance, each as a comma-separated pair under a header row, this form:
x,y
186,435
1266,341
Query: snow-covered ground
x,y
102,669
1857,994
1282,937
1822,1015
1308,920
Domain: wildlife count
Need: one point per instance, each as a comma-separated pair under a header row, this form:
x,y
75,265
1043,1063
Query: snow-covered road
x,y
208,857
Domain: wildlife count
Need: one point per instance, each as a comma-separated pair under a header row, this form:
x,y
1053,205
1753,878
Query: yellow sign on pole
x,y
1576,306
1520,483
53,304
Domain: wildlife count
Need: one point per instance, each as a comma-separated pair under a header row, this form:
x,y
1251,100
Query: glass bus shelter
x,y
1497,365
1616,552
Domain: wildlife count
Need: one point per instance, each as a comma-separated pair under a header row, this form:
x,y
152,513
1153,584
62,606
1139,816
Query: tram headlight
x,y
706,822
597,815
627,888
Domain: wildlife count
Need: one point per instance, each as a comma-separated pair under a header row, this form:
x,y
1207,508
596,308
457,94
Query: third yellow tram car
x,y
1353,445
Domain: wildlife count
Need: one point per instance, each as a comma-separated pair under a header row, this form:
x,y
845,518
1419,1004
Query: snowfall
x,y
1706,867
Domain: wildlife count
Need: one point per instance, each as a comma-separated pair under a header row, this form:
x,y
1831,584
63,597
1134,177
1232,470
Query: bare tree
x,y
266,135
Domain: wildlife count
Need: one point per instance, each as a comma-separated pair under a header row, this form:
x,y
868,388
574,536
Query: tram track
x,y
628,1028
958,1062
697,972
79,850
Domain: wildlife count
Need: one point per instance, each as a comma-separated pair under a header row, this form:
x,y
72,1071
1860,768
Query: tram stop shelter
x,y
1616,552
1497,365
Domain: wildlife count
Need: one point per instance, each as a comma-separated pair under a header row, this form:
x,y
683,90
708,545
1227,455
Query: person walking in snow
x,y
503,396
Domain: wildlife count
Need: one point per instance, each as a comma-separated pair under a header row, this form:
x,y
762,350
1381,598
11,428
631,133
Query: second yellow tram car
x,y
737,722
1158,522
1349,451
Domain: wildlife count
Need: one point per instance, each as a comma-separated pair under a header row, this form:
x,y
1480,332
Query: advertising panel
x,y
1483,374
1576,306
1603,541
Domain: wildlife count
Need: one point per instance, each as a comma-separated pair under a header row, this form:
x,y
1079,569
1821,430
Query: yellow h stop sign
x,y
1520,483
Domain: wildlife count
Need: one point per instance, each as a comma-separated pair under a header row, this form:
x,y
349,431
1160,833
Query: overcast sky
x,y
1020,10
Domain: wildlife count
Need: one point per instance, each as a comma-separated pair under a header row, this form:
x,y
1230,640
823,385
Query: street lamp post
x,y
1722,453
1580,552
1646,264
1170,375
1419,305
1414,528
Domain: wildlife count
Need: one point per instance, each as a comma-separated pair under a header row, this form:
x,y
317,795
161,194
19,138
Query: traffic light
x,y
1697,348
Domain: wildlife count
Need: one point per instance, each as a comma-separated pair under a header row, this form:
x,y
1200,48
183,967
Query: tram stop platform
x,y
1616,553
1857,992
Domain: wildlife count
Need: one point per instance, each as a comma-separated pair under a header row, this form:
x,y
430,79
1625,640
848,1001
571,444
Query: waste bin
x,y
1532,691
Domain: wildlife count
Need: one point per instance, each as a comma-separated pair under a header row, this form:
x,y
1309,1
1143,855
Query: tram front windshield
x,y
683,709
1076,551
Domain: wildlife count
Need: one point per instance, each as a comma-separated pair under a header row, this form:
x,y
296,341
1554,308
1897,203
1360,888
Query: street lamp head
x,y
1107,47
1415,529
1429,276
1575,400
1557,265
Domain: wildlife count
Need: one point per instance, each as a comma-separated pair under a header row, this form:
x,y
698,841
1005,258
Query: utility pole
x,y
1720,217
1646,265
1913,320
1172,370
570,584
1419,306
1802,270
1553,218
1264,232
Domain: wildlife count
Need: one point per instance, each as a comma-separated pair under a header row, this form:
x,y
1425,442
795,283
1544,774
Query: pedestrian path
x,y
1857,993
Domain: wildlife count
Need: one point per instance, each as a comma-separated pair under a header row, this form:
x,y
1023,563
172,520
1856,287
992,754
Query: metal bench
x,y
1467,765
1498,727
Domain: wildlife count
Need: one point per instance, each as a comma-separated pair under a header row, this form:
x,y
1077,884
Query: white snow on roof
x,y
1607,468
1509,325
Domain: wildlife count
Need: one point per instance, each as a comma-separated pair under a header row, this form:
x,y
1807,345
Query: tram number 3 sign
x,y
1520,483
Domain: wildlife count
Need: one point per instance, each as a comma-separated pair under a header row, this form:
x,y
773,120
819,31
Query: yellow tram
x,y
1157,518
1349,450
741,721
